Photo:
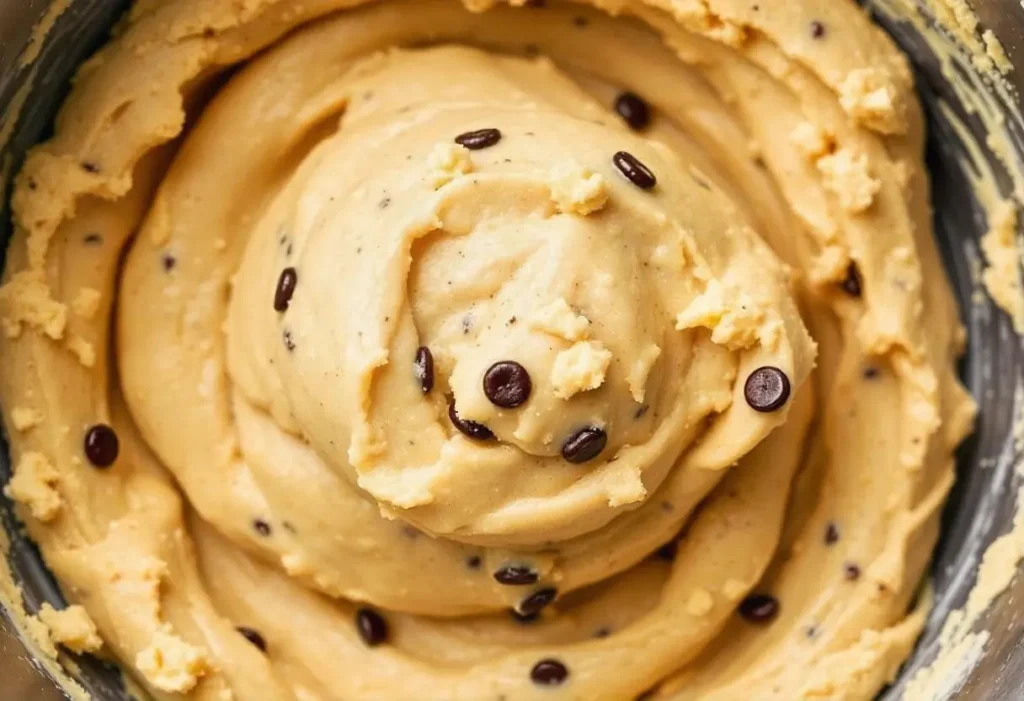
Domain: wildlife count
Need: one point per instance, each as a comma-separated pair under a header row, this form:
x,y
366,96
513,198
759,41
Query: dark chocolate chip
x,y
523,618
641,411
168,262
372,627
831,533
479,139
507,384
817,29
101,445
668,550
851,571
285,288
602,632
32,185
759,608
473,562
549,672
253,637
515,575
766,389
93,239
289,343
423,364
634,171
632,108
851,285
870,372
535,602
584,445
261,526
90,167
472,429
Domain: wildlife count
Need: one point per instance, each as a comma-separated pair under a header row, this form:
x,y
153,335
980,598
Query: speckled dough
x,y
285,468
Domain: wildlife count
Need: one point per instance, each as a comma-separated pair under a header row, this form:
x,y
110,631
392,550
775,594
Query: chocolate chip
x,y
831,533
261,526
851,285
634,171
870,372
472,429
32,185
584,445
253,637
289,343
424,368
668,551
285,288
515,575
507,384
479,139
473,562
641,411
523,618
372,627
549,672
817,29
101,445
535,602
632,108
168,262
90,167
602,632
759,608
766,389
93,239
851,571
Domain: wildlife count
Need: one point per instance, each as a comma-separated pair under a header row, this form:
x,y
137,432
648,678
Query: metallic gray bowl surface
x,y
980,509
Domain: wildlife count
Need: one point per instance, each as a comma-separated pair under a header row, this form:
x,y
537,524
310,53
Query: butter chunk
x,y
72,628
847,175
35,485
578,190
580,368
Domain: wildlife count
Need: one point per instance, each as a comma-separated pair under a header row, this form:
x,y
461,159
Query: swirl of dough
x,y
410,329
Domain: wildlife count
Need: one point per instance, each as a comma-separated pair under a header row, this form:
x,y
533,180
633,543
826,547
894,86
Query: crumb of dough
x,y
812,141
72,628
731,315
26,300
847,176
1002,275
995,51
578,190
637,378
580,368
446,162
35,485
700,603
83,350
86,303
734,589
559,319
24,418
867,96
171,664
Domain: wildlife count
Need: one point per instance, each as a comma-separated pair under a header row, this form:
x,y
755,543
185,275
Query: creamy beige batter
x,y
281,468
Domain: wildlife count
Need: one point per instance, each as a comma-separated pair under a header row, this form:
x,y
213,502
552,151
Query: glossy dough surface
x,y
253,215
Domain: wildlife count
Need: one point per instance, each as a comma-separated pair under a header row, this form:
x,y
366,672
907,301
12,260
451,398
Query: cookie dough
x,y
384,350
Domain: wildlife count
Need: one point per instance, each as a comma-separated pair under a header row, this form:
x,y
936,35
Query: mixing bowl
x,y
982,506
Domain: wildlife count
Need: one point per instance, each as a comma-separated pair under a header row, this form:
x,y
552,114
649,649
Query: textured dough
x,y
279,470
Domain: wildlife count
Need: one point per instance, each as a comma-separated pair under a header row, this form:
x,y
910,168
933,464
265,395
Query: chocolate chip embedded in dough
x,y
372,627
253,637
471,429
168,261
473,562
507,384
516,575
766,389
851,284
424,368
479,139
759,608
101,445
261,527
286,283
535,602
584,445
817,29
633,110
634,171
831,533
851,571
549,672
